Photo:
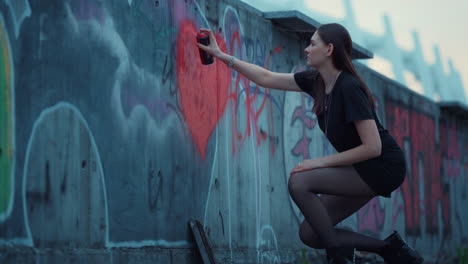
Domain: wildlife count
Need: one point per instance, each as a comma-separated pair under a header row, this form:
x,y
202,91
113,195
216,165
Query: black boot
x,y
398,252
340,255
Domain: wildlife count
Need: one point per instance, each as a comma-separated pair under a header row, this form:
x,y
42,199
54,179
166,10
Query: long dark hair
x,y
341,58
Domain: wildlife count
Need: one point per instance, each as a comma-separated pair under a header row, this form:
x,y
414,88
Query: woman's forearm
x,y
253,72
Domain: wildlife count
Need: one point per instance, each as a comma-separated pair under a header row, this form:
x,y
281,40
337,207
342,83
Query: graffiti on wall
x,y
202,89
128,117
7,122
424,190
434,173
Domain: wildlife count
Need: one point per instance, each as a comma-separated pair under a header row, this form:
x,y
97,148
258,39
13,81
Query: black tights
x,y
343,193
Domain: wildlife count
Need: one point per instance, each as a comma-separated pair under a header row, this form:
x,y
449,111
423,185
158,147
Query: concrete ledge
x,y
143,255
454,108
21,254
304,27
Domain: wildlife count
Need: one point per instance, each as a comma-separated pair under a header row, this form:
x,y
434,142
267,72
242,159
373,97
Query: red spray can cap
x,y
202,34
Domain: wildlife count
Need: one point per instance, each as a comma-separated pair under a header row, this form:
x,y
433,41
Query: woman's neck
x,y
329,75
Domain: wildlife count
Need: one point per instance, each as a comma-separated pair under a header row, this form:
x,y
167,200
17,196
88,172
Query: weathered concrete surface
x,y
113,136
88,255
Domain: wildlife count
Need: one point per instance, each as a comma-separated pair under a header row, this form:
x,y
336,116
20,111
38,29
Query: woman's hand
x,y
307,165
212,48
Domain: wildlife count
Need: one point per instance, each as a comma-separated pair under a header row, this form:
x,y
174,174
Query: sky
x,y
442,23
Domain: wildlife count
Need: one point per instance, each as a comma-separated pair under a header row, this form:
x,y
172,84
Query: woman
x,y
369,162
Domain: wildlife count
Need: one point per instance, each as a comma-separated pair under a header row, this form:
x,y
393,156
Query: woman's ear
x,y
330,48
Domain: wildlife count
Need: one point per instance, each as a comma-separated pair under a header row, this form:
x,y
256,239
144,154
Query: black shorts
x,y
385,173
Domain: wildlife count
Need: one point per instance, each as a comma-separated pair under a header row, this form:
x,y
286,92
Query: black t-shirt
x,y
349,102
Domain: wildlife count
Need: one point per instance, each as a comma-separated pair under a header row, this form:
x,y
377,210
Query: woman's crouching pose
x,y
369,161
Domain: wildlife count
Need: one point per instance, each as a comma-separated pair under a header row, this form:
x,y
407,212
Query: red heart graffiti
x,y
203,89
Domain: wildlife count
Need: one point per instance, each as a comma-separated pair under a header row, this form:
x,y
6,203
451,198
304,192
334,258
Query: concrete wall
x,y
113,136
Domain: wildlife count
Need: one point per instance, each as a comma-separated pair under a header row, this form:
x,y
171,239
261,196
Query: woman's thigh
x,y
341,207
336,180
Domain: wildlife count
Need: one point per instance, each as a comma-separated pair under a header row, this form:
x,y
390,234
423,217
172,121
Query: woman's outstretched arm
x,y
255,73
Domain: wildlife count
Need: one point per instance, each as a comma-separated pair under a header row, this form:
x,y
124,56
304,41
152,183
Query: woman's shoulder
x,y
349,83
309,74
349,79
306,80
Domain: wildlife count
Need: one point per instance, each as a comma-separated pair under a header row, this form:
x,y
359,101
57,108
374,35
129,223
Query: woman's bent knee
x,y
305,181
309,237
312,241
295,184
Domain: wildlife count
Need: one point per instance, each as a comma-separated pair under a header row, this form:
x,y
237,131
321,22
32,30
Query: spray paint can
x,y
204,39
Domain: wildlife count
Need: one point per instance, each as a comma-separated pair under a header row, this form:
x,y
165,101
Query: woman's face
x,y
316,51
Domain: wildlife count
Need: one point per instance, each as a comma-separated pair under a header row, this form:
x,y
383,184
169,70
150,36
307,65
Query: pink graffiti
x,y
405,124
371,217
300,114
87,10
